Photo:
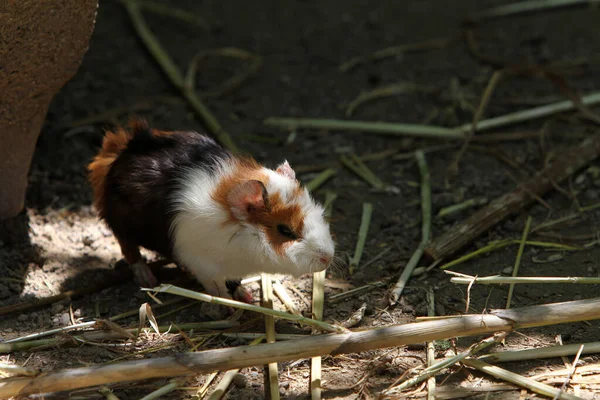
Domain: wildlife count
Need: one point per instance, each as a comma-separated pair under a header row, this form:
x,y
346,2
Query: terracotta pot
x,y
42,43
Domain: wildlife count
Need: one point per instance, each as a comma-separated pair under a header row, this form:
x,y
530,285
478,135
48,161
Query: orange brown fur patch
x,y
246,169
113,144
280,213
276,212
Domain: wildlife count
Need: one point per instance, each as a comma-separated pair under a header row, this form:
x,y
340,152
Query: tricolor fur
x,y
220,216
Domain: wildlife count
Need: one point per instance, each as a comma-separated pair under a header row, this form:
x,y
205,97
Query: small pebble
x,y
507,270
88,240
240,380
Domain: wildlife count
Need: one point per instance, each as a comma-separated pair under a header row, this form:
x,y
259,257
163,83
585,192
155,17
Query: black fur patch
x,y
142,180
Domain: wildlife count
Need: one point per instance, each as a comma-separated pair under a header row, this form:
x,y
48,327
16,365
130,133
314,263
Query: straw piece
x,y
518,260
318,300
272,375
431,345
425,228
244,306
170,11
363,231
526,7
541,352
386,91
161,391
320,179
478,201
516,379
384,128
435,368
503,280
285,298
226,380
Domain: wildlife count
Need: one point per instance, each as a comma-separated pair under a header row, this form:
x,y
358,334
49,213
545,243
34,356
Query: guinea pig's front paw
x,y
143,275
242,294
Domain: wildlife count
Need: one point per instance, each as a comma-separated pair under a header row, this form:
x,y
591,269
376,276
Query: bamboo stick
x,y
464,233
319,345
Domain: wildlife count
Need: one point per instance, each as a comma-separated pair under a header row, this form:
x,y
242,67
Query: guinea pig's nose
x,y
325,260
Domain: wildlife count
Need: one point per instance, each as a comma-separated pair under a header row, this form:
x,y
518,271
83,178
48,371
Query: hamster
x,y
221,216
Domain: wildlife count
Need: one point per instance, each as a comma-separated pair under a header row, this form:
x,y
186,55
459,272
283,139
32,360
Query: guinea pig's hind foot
x,y
143,275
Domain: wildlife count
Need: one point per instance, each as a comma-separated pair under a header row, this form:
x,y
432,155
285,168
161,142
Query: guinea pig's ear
x,y
286,170
248,197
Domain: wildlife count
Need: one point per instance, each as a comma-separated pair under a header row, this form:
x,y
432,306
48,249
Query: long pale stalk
x,y
319,345
244,306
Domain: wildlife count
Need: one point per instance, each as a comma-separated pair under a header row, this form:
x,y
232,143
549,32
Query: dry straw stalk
x,y
318,345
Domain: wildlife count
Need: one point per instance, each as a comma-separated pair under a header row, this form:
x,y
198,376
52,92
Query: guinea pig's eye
x,y
285,230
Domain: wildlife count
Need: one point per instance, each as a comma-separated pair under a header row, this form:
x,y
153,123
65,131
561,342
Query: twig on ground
x,y
363,231
515,271
485,99
226,380
230,84
285,298
342,343
355,164
396,51
500,244
16,370
503,280
177,13
383,128
431,131
168,388
425,228
464,233
320,179
431,389
249,307
516,379
271,372
526,7
174,74
476,202
387,91
336,298
432,370
318,300
542,352
107,393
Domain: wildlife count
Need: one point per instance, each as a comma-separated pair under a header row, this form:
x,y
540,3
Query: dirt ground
x,y
58,244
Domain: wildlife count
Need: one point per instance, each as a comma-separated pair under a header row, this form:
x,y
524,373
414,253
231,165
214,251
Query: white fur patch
x,y
215,250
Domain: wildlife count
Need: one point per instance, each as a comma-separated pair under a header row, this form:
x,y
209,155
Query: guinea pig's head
x,y
280,219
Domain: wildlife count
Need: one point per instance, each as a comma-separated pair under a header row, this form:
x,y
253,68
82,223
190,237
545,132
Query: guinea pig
x,y
219,215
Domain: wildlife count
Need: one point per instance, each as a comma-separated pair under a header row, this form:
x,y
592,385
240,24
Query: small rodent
x,y
221,216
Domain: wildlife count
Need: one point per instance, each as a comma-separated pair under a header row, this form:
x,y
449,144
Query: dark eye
x,y
285,230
